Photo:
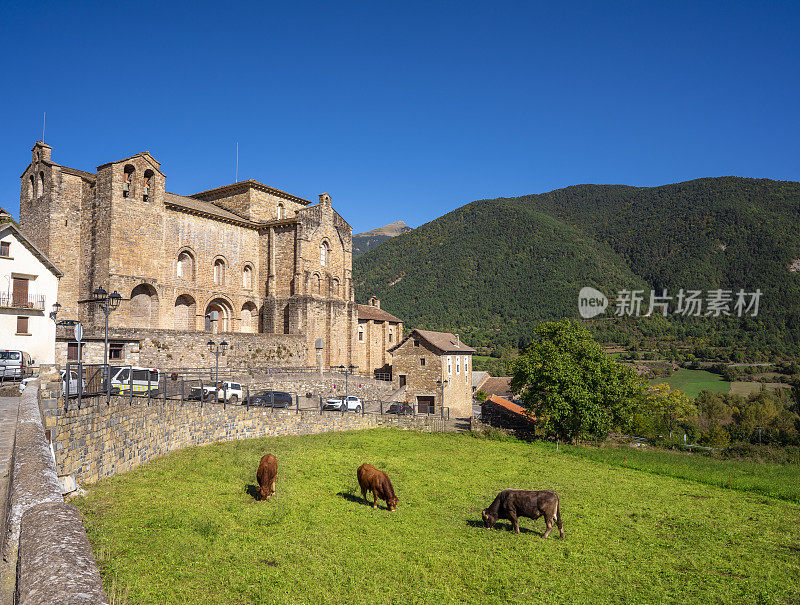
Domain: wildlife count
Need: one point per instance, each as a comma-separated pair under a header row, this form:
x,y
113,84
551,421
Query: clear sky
x,y
405,110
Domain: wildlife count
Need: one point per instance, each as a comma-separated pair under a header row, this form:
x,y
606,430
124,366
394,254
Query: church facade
x,y
244,258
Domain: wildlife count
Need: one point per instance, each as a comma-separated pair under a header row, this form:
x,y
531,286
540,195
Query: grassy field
x,y
186,528
775,480
751,388
692,382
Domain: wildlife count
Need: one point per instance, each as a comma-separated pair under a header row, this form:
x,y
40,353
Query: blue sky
x,y
405,110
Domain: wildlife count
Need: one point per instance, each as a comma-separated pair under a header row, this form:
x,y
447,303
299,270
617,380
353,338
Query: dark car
x,y
277,399
401,409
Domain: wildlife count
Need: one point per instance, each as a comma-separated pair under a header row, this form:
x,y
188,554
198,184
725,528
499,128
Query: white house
x,y
28,291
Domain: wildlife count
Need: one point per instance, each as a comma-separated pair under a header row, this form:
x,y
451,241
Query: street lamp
x,y
216,350
347,371
441,384
54,312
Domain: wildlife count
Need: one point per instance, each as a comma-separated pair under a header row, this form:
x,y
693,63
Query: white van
x,y
144,379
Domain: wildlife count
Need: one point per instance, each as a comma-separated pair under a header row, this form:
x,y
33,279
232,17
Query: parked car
x,y
73,383
230,392
351,403
15,365
139,380
401,409
277,399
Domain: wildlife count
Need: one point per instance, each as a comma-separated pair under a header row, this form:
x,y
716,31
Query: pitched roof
x,y
497,386
205,208
33,249
248,184
511,407
374,313
478,378
444,341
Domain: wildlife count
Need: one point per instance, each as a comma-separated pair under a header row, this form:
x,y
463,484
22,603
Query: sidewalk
x,y
9,406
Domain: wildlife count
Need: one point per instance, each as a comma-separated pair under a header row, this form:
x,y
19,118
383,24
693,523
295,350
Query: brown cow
x,y
371,479
267,471
512,503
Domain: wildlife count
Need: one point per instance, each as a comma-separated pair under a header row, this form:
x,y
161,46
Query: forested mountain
x,y
364,242
491,269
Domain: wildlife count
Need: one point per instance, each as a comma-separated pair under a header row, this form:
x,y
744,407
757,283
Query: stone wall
x,y
100,440
178,349
46,548
327,385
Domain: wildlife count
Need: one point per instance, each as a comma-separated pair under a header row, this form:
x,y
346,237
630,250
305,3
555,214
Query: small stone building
x,y
435,368
377,332
241,259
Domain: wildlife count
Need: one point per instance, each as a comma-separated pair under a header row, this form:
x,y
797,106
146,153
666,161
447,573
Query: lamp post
x,y
54,312
216,350
347,371
441,384
106,303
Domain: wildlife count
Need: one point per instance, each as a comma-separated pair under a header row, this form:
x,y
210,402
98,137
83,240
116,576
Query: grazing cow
x,y
512,503
267,471
371,479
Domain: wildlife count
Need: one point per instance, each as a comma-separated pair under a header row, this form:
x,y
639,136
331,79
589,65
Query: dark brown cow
x,y
513,503
371,479
267,471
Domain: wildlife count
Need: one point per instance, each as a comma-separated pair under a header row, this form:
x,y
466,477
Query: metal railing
x,y
15,300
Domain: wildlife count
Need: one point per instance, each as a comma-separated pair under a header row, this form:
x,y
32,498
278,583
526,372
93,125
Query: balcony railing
x,y
14,300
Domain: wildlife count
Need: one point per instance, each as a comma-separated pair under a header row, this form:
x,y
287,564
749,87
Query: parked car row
x,y
351,403
15,364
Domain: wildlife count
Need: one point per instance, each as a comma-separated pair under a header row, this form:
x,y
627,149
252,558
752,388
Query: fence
x,y
84,380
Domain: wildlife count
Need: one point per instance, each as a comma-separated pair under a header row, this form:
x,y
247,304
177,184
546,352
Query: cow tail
x,y
558,513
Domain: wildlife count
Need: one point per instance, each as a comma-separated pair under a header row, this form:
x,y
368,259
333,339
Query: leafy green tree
x,y
481,396
575,389
669,407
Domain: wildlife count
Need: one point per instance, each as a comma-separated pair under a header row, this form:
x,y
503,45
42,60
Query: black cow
x,y
513,503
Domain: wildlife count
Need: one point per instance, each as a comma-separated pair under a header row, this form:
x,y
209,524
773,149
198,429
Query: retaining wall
x,y
100,440
46,542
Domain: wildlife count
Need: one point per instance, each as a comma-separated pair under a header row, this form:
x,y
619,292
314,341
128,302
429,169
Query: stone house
x,y
28,291
435,368
262,266
377,332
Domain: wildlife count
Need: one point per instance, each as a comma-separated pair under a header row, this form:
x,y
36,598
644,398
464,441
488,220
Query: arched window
x,y
219,272
335,287
147,186
127,182
184,267
315,283
391,335
247,277
41,183
323,253
281,211
33,187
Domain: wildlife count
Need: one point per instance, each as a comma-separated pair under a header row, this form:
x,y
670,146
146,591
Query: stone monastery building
x,y
269,269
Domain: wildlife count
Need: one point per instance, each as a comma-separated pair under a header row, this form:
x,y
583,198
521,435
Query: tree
x,y
669,407
566,380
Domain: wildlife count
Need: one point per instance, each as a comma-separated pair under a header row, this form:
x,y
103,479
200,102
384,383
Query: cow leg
x,y
514,520
272,487
549,522
375,497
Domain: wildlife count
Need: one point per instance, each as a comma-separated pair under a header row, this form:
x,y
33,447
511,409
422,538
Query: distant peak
x,y
392,229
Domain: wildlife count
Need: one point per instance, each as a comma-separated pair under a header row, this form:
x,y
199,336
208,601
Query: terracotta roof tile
x,y
374,313
511,407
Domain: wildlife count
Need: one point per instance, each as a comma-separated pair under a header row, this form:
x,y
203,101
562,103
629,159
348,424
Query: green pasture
x,y
692,382
187,529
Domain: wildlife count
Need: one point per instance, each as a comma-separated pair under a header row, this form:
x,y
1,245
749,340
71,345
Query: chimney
x,y
375,302
324,199
458,340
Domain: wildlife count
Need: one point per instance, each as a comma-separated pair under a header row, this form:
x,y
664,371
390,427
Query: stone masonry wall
x,y
100,440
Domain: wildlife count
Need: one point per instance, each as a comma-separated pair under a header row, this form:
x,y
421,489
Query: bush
x,y
760,453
